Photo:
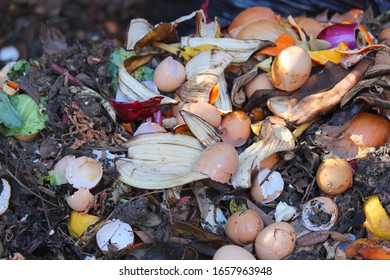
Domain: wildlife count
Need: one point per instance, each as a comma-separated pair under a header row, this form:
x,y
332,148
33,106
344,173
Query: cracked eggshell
x,y
81,200
235,128
243,226
270,189
149,127
319,213
84,172
232,252
218,161
114,233
5,195
276,241
204,110
169,75
63,162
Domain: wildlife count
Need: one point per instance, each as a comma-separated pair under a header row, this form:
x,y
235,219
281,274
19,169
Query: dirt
x,y
35,224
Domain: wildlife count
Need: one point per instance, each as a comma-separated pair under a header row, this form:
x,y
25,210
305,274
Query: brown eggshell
x,y
169,75
81,200
291,68
334,176
218,161
276,241
232,252
243,226
309,25
26,138
320,206
205,110
236,128
261,81
270,189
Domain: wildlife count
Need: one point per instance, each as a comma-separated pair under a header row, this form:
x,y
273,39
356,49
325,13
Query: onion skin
x,y
337,33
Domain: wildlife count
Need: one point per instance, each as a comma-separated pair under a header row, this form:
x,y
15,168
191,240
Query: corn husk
x,y
241,50
160,161
206,133
273,139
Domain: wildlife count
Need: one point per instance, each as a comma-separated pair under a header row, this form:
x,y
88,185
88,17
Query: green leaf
x,y
55,178
20,68
33,120
9,117
144,73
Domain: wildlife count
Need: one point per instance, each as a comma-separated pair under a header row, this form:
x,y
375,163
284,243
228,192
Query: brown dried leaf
x,y
52,39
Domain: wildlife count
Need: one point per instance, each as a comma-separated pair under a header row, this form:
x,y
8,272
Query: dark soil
x,y
35,224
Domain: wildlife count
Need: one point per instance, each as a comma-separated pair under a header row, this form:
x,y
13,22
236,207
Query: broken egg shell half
x,y
232,252
235,128
270,189
84,172
319,213
169,75
243,226
5,195
63,162
276,241
81,200
218,161
149,127
204,110
261,81
291,68
114,233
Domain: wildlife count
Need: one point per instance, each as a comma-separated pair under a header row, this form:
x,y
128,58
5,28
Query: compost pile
x,y
167,143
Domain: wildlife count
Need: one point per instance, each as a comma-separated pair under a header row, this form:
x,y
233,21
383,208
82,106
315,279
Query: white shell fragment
x,y
319,213
284,212
114,235
5,195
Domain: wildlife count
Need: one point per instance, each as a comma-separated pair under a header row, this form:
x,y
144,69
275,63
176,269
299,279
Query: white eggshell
x,y
116,233
84,172
63,163
4,196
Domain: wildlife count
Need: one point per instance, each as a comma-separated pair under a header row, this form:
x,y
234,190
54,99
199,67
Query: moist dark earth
x,y
35,224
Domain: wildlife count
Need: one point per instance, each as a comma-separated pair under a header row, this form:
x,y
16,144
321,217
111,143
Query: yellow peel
x,y
79,223
377,220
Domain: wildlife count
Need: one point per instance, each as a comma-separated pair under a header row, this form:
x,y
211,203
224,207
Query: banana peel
x,y
377,220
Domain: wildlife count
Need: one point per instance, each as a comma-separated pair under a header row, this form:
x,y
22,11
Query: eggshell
x,y
205,110
218,161
235,128
81,200
169,75
261,81
116,234
334,176
232,252
309,25
84,172
276,241
63,162
271,188
291,68
243,226
27,138
149,127
319,213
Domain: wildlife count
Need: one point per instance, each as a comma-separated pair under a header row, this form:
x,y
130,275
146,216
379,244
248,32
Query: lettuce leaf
x,y
32,119
9,117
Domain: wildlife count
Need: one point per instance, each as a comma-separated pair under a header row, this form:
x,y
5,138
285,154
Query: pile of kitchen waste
x,y
256,140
